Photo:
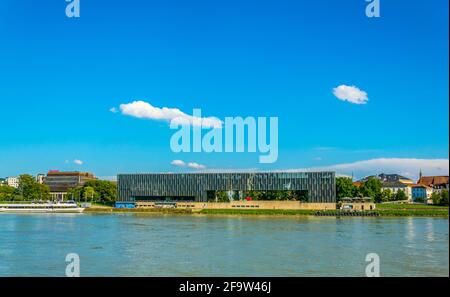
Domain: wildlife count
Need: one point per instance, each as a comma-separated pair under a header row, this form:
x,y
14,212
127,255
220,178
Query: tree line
x,y
94,191
30,190
440,198
373,188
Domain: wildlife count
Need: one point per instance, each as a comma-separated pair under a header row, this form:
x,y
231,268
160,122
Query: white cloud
x,y
144,110
194,165
178,163
108,177
229,170
408,167
113,110
343,175
78,162
351,94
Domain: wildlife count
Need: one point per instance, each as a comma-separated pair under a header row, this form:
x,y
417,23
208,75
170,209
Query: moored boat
x,y
48,207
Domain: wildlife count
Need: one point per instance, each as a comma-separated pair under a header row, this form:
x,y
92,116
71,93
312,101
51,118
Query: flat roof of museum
x,y
225,172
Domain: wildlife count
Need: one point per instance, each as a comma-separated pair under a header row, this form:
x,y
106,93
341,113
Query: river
x,y
197,245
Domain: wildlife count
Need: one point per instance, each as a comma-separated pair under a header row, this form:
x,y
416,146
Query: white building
x,y
396,186
40,178
12,181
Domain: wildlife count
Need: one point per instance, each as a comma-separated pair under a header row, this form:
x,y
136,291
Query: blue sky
x,y
59,78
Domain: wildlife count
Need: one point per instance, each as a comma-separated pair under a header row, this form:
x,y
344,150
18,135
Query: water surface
x,y
184,245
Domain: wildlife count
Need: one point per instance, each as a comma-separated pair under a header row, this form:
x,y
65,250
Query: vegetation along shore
x,y
388,210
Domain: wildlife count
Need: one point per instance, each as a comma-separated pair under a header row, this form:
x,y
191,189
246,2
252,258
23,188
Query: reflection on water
x,y
410,229
164,245
429,230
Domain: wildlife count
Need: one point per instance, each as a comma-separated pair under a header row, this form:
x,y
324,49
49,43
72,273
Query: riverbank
x,y
382,210
106,209
263,212
412,210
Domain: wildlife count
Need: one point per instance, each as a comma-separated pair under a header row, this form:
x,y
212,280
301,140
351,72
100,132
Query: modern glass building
x,y
60,182
319,186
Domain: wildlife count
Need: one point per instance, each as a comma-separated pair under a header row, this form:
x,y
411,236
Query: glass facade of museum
x,y
320,186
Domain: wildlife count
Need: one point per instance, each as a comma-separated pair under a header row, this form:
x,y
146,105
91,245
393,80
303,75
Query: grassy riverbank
x,y
382,210
105,209
203,211
257,212
412,210
409,206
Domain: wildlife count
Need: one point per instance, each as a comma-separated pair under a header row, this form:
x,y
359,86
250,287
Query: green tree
x,y
271,195
357,192
211,196
222,196
283,195
436,197
344,188
386,195
400,195
444,197
301,195
44,191
372,188
7,193
104,190
30,189
279,195
88,193
255,195
235,195
440,198
75,193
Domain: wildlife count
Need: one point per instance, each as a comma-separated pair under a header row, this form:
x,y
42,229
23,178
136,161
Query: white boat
x,y
48,207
